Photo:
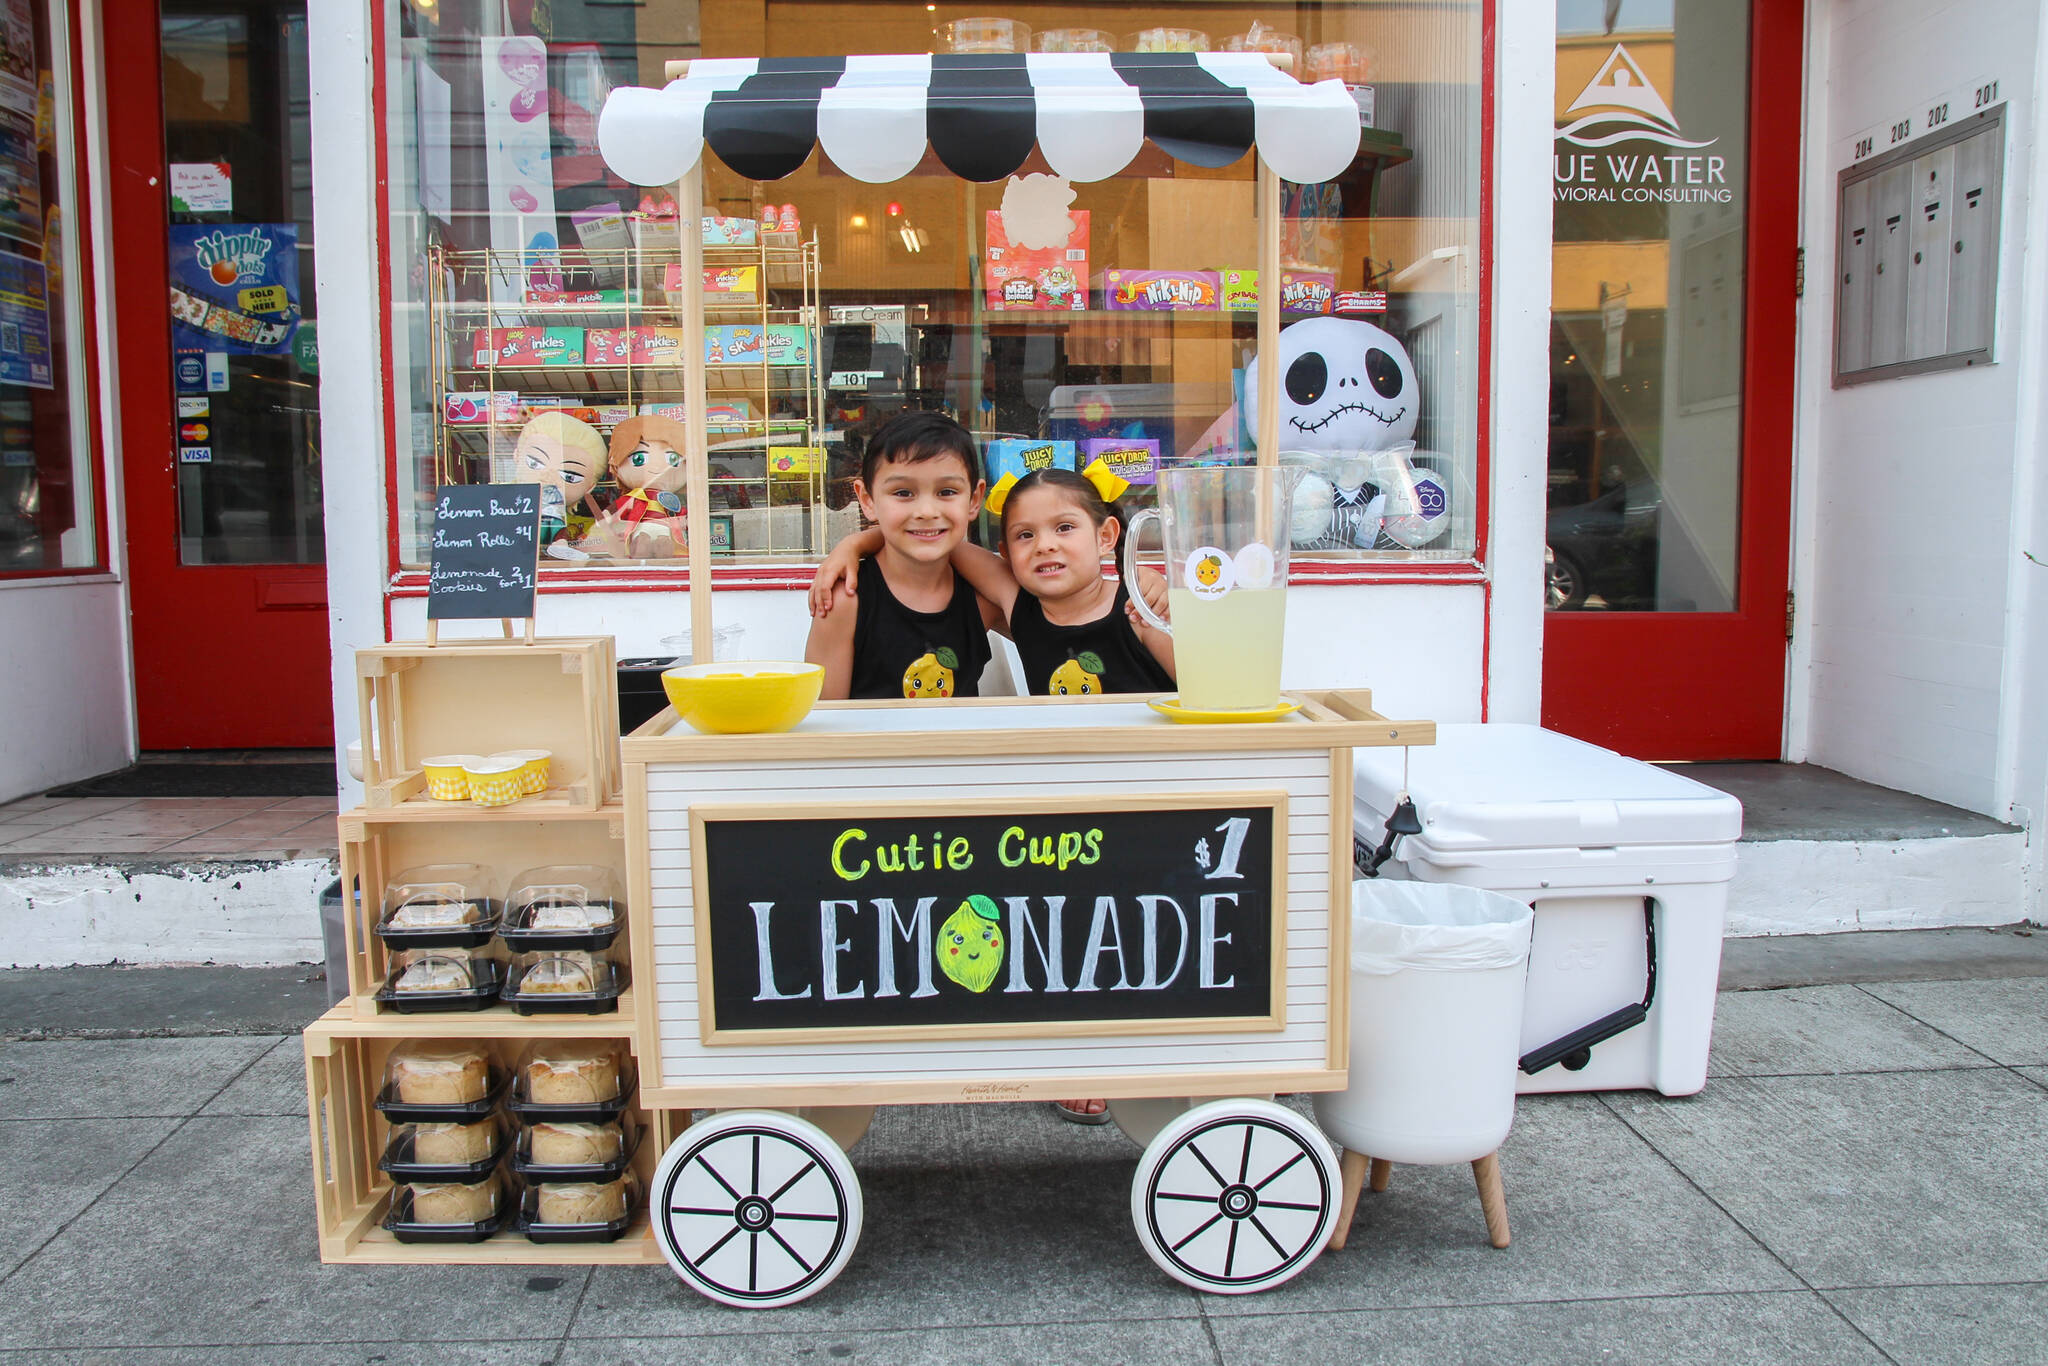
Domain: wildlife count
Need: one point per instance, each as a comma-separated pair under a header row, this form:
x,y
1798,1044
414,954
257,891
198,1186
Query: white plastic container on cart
x,y
1618,858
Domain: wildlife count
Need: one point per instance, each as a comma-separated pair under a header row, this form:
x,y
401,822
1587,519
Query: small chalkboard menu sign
x,y
485,549
1048,916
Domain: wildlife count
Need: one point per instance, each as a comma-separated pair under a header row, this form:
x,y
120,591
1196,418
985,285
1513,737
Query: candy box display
x,y
723,285
1021,456
635,345
1177,291
492,407
518,347
784,344
729,232
1034,278
1135,460
1301,291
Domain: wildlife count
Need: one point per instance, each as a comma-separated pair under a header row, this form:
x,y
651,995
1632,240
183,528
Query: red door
x,y
219,414
1672,382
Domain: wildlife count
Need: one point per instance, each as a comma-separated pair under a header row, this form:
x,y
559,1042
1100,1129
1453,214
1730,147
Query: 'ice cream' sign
x,y
1047,916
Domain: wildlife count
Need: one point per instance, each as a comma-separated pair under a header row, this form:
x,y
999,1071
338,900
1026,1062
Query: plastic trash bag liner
x,y
1436,927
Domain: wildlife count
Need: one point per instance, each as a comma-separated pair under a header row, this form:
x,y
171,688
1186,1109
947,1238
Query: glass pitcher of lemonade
x,y
1225,530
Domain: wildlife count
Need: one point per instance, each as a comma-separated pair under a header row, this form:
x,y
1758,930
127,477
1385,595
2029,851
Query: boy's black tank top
x,y
901,653
1123,664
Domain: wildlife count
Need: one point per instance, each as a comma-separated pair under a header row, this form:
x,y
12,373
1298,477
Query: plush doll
x,y
1348,404
564,456
647,462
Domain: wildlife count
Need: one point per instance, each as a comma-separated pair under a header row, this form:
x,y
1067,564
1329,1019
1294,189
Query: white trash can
x,y
1627,867
1436,1017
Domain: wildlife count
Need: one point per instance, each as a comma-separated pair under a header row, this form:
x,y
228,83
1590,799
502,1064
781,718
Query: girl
x,y
1075,631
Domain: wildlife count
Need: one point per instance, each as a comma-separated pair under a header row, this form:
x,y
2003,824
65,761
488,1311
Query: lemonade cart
x,y
998,900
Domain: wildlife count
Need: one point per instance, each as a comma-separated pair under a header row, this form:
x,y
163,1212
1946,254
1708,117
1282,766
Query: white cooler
x,y
1626,866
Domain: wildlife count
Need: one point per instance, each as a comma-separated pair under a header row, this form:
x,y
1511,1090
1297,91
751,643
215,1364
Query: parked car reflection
x,y
1603,554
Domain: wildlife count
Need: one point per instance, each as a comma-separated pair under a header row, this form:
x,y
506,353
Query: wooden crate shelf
x,y
378,845
484,696
345,1059
365,1016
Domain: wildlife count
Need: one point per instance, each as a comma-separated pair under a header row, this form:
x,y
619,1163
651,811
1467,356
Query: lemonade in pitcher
x,y
1226,650
1225,533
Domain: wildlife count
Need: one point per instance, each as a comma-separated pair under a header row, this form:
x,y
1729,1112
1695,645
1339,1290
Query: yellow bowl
x,y
535,767
495,782
744,698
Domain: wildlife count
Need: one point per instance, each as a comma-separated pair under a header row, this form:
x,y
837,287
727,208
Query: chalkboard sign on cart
x,y
1047,917
484,555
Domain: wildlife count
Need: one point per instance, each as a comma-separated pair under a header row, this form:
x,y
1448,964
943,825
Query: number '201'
x,y
1986,93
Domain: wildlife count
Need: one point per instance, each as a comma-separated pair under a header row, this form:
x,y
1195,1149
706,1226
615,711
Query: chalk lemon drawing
x,y
1080,676
931,674
971,944
1209,570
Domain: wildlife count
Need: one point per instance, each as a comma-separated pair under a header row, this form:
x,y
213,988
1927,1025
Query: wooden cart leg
x,y
1352,1165
1493,1199
1382,1175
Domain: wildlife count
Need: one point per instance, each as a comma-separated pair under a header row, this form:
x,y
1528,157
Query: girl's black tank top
x,y
1100,656
898,652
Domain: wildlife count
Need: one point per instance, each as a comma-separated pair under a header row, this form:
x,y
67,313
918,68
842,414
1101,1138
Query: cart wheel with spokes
x,y
755,1208
1235,1196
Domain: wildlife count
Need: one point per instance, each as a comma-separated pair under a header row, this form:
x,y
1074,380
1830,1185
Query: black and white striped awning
x,y
1089,113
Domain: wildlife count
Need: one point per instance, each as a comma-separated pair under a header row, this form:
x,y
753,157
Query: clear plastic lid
x,y
441,979
430,1211
573,1080
985,35
595,1209
438,1151
1262,37
439,1073
565,981
568,1150
1074,40
438,897
1168,40
1350,63
564,905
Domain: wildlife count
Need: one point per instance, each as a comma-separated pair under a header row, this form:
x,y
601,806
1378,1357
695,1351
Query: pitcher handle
x,y
1129,567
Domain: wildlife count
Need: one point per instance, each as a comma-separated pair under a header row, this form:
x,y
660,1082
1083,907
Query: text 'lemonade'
x,y
1226,649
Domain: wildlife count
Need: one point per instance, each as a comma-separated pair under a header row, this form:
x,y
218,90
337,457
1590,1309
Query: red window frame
x,y
86,346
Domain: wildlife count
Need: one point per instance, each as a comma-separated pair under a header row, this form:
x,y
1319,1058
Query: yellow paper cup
x,y
535,766
495,782
448,776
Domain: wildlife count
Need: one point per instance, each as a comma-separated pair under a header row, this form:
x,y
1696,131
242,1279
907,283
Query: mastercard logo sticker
x,y
193,433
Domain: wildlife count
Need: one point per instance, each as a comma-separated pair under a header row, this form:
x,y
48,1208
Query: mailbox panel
x,y
1916,283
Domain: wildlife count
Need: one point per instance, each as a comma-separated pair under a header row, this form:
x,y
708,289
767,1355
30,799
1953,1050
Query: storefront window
x,y
1646,312
538,318
48,494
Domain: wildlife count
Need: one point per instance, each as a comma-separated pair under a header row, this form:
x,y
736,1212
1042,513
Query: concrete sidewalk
x,y
1860,1181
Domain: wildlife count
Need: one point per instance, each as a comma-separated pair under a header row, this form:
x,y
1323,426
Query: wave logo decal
x,y
1620,104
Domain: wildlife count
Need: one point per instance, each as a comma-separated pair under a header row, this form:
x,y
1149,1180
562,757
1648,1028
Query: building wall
x,y
64,678
1906,491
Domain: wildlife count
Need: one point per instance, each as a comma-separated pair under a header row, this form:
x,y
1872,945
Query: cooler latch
x,y
1575,1049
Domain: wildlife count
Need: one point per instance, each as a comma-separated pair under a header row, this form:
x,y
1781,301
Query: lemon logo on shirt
x,y
931,674
1080,676
971,944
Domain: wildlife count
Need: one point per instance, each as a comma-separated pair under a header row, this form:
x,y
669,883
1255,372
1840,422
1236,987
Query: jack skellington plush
x,y
1349,398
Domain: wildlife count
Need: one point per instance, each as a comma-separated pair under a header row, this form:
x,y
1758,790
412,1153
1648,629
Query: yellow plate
x,y
1172,710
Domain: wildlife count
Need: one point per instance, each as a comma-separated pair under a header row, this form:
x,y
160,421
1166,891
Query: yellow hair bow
x,y
1108,483
1109,486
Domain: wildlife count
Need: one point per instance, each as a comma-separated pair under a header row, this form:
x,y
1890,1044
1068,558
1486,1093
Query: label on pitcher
x,y
1254,566
1211,573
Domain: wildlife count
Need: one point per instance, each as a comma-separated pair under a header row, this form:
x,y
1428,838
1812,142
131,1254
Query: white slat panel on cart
x,y
686,1063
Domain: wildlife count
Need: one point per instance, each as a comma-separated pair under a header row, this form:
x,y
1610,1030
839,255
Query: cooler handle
x,y
1575,1049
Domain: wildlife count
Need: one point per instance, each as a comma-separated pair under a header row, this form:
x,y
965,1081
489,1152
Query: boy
x,y
920,630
